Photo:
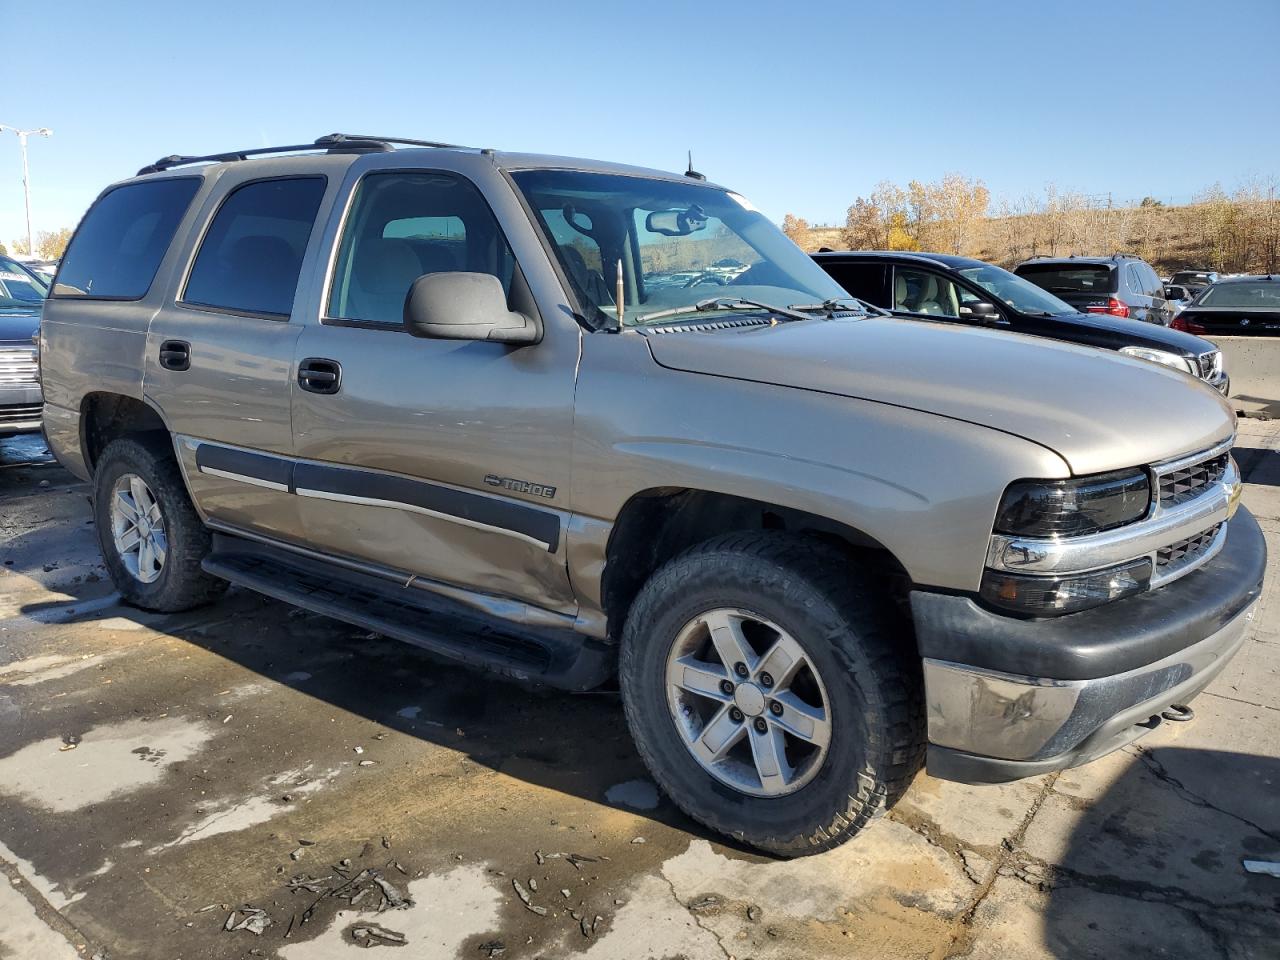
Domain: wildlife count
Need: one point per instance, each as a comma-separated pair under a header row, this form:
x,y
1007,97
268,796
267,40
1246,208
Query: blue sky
x,y
801,107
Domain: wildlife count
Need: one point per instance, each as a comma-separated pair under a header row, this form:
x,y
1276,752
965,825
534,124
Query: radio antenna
x,y
619,298
692,173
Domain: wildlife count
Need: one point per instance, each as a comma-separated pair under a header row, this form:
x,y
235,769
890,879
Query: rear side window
x,y
119,245
1069,278
251,256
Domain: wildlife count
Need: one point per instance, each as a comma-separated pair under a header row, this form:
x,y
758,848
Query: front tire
x,y
767,694
152,539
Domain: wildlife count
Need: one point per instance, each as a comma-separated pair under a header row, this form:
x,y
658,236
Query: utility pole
x,y
26,176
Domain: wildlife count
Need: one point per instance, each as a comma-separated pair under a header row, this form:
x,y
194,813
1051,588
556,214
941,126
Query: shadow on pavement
x,y
1153,867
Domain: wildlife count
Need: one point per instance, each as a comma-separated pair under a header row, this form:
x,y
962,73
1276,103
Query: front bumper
x,y
19,408
1011,698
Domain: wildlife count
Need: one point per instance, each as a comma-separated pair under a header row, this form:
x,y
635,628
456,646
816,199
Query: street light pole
x,y
26,177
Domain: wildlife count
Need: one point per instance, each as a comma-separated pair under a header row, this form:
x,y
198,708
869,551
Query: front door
x,y
219,359
441,459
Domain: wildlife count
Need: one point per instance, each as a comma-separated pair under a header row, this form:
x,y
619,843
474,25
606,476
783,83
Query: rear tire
x,y
154,561
781,589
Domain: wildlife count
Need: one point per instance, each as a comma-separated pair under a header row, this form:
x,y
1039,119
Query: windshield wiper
x,y
832,306
724,303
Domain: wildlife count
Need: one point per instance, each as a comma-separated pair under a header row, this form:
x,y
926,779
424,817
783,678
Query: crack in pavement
x,y
45,911
1247,703
963,934
696,919
1158,770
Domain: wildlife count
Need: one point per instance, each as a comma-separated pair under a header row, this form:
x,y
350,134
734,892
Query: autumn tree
x,y
52,244
797,228
958,205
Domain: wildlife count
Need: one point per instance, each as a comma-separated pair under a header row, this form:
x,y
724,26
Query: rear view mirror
x,y
464,306
676,223
1173,291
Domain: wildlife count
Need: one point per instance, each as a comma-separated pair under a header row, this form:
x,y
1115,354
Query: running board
x,y
558,658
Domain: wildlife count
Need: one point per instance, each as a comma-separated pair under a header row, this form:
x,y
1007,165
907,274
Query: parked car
x,y
943,288
1241,306
1121,285
1194,280
22,295
813,544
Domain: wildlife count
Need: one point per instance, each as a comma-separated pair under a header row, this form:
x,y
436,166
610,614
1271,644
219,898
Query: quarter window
x,y
403,226
251,256
117,250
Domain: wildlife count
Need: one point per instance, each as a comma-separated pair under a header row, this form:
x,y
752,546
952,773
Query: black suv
x,y
1193,281
941,287
1121,285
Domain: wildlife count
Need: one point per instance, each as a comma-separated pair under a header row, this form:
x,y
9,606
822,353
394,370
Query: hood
x,y
1136,333
18,324
1097,409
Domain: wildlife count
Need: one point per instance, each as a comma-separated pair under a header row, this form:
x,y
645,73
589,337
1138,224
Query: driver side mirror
x,y
981,311
1173,291
465,306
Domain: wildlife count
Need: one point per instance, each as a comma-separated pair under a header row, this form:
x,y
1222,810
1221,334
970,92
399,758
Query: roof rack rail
x,y
345,138
332,142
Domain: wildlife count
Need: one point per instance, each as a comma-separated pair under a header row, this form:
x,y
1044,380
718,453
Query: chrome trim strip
x,y
414,508
1181,569
255,481
1169,466
1043,556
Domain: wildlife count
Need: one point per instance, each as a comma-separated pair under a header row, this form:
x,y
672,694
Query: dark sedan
x,y
1235,307
950,289
22,295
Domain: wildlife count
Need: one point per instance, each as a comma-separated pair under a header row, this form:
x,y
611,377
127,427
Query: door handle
x,y
318,375
175,355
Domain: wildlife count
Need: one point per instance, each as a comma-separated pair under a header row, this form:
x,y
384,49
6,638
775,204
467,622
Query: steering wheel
x,y
715,278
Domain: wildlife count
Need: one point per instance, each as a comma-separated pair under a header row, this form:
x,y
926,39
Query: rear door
x,y
219,357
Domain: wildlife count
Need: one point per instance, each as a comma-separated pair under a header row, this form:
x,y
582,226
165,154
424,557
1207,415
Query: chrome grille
x,y
1185,551
1187,483
18,365
1210,364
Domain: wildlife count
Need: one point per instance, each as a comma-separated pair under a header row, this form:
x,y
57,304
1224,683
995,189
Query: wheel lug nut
x,y
761,726
735,714
740,669
726,686
775,708
766,680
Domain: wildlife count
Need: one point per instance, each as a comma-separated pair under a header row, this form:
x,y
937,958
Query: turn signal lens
x,y
1055,596
1072,508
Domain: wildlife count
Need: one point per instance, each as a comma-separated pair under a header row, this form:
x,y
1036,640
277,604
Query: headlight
x,y
1164,357
1072,508
1054,596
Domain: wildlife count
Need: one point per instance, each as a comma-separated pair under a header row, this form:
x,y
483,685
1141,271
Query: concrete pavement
x,y
159,774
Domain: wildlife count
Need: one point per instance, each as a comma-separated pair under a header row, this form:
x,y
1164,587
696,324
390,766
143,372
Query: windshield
x,y
19,287
678,243
1190,277
1264,295
1021,295
1069,278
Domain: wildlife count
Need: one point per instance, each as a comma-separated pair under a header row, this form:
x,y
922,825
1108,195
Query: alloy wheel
x,y
748,702
137,528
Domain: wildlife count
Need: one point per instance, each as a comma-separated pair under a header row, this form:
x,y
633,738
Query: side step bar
x,y
558,658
